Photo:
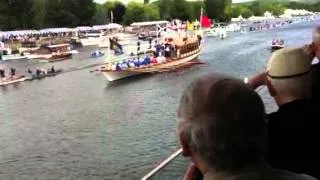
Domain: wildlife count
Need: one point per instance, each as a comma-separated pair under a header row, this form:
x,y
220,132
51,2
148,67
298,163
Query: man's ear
x,y
186,152
271,89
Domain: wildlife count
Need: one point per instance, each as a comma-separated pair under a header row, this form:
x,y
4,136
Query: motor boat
x,y
97,54
277,44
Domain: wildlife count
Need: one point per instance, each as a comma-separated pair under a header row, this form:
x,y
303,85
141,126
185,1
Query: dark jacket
x,y
258,174
294,138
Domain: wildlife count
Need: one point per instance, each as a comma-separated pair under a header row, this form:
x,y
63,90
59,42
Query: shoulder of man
x,y
287,175
307,177
271,117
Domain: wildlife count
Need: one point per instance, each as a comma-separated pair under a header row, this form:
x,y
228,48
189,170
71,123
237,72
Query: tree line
x,y
38,14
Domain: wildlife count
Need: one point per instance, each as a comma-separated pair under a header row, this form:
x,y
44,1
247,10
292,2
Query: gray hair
x,y
297,87
222,121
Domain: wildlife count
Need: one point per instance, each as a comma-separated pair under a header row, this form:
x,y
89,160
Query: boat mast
x,y
201,14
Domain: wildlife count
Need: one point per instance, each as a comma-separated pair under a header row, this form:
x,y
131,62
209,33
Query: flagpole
x,y
111,17
201,14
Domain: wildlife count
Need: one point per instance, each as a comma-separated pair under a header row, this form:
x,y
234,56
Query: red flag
x,y
205,22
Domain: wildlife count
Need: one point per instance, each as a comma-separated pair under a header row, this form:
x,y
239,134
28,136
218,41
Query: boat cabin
x,y
59,48
186,46
92,34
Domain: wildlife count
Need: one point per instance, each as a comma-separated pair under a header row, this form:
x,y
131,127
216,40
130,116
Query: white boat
x,y
8,81
212,32
13,57
93,39
233,27
74,51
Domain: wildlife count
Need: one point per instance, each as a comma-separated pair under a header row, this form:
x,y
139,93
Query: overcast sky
x,y
126,1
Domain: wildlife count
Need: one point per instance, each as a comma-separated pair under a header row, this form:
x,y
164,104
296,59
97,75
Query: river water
x,y
78,126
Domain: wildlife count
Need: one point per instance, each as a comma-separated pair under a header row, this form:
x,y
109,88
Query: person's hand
x,y
257,80
310,49
192,173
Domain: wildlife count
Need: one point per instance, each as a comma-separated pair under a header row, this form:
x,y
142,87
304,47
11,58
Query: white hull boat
x,y
8,81
94,41
212,33
13,57
117,75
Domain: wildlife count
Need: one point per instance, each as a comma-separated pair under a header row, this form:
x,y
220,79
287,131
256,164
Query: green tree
x,y
181,9
151,13
39,12
256,8
69,13
134,13
85,10
101,16
246,13
15,14
117,8
196,5
164,8
278,9
216,9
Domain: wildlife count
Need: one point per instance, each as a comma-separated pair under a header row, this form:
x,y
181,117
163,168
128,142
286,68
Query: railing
x,y
162,164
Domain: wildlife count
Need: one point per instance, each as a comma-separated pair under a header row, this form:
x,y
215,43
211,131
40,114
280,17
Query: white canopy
x,y
56,30
150,23
107,26
260,18
19,33
83,28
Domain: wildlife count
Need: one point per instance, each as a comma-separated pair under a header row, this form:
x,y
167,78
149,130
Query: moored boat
x,y
52,53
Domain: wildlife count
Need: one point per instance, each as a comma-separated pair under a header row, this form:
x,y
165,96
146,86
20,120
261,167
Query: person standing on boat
x,y
222,129
1,49
12,72
38,72
2,73
150,43
52,69
138,46
293,129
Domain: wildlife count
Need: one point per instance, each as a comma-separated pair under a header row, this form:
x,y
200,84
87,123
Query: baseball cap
x,y
289,63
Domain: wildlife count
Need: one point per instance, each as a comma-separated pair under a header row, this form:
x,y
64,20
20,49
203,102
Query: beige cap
x,y
288,63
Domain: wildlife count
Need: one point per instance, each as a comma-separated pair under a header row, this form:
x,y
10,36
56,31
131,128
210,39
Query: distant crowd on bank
x,y
224,129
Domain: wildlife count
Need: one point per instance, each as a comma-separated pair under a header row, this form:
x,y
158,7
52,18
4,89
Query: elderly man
x,y
223,130
293,132
313,50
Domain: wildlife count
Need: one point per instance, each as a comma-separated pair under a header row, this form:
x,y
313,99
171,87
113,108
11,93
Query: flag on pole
x,y
205,22
189,26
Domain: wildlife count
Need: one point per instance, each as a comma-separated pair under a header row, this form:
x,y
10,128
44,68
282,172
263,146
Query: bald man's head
x,y
222,121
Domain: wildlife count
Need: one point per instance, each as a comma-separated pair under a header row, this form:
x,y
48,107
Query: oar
x,y
94,70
